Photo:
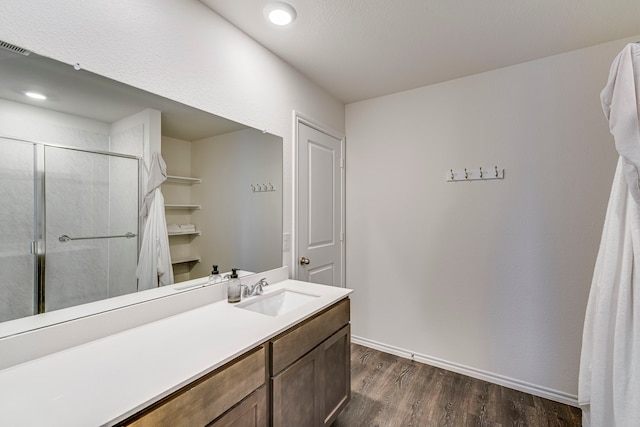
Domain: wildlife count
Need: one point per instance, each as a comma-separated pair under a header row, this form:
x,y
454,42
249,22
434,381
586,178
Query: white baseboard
x,y
536,390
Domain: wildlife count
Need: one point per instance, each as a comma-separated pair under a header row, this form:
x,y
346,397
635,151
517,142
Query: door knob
x,y
304,261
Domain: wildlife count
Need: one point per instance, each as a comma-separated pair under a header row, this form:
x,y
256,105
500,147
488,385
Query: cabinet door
x,y
337,374
298,392
313,391
251,412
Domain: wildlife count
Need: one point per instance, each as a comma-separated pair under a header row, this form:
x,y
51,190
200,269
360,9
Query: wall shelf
x,y
183,207
183,180
188,260
184,233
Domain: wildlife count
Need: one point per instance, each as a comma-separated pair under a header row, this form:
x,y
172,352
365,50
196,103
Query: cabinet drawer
x,y
293,344
207,398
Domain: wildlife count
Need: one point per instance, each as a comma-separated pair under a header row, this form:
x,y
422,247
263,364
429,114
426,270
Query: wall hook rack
x,y
475,174
262,188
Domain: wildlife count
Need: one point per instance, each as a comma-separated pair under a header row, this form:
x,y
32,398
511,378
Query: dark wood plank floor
x,y
389,391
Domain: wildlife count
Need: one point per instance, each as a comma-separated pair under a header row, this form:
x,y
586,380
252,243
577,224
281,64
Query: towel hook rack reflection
x,y
261,188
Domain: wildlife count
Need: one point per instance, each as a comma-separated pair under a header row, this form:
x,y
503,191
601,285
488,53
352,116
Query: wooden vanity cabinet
x,y
310,370
237,387
251,412
300,378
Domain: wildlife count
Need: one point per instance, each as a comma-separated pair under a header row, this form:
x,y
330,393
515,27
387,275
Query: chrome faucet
x,y
255,289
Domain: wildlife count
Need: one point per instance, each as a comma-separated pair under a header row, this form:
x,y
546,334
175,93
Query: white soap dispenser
x,y
215,276
233,287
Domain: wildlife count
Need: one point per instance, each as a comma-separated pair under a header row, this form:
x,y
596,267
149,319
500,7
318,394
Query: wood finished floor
x,y
389,391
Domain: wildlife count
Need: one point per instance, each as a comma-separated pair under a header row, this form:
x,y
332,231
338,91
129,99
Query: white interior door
x,y
319,231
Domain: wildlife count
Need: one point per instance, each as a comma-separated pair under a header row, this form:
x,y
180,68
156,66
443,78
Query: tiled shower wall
x,y
16,229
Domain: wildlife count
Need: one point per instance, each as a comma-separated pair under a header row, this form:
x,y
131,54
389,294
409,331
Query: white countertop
x,y
106,380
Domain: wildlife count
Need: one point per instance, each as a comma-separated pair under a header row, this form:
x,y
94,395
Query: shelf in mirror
x,y
184,233
187,260
183,180
184,207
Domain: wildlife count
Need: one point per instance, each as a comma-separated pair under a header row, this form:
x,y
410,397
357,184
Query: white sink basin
x,y
277,303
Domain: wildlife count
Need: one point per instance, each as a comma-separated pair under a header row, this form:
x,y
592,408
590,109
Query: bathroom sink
x,y
277,303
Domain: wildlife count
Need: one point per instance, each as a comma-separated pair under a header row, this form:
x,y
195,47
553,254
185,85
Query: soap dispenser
x,y
233,287
215,276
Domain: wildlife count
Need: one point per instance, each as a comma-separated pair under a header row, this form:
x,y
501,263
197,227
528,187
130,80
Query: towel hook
x,y
480,171
496,171
452,176
466,175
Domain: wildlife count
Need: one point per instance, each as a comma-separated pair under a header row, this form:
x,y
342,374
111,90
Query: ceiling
x,y
89,95
360,49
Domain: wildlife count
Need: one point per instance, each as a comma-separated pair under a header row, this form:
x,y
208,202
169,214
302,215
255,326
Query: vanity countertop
x,y
106,380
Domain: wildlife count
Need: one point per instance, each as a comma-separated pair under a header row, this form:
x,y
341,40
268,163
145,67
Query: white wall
x,y
488,278
26,122
138,135
178,49
228,164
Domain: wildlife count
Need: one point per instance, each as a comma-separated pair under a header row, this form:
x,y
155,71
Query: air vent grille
x,y
14,48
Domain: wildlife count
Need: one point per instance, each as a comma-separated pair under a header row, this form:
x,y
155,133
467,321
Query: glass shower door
x,y
17,262
91,205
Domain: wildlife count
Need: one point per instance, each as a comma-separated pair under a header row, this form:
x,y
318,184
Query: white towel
x,y
157,175
180,228
154,264
609,387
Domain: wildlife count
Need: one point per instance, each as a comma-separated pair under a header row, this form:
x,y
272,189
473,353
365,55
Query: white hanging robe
x,y
609,388
154,265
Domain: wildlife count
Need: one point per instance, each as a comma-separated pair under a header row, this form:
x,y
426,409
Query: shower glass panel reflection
x,y
17,264
72,204
90,198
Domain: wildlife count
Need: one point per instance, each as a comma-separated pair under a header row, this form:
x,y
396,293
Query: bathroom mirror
x,y
73,168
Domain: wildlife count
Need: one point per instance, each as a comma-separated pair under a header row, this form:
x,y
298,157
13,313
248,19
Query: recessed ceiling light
x,y
36,95
279,13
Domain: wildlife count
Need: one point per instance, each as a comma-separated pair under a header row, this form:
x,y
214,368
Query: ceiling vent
x,y
14,48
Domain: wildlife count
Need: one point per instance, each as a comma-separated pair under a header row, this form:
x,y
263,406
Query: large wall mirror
x,y
73,168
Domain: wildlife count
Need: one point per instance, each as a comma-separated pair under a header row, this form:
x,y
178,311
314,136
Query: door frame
x,y
299,118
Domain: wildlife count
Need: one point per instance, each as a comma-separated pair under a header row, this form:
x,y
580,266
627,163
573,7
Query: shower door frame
x,y
38,245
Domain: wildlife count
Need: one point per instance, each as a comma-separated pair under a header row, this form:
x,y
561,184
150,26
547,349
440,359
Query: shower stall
x,y
69,226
